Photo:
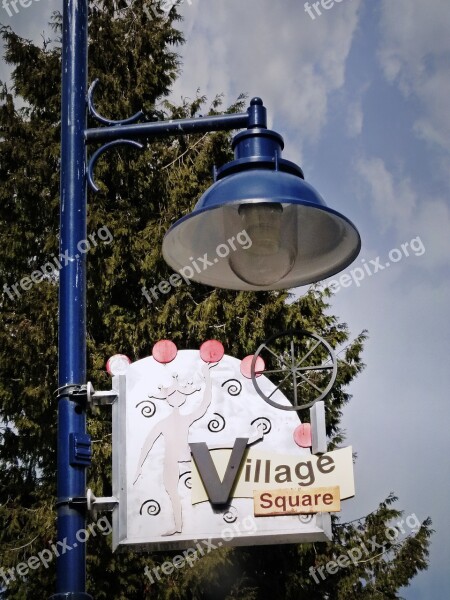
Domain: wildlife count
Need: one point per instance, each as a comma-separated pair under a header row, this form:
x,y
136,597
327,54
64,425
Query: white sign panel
x,y
169,414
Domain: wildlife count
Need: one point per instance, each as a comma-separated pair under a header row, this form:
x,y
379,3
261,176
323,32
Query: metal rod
x,y
168,128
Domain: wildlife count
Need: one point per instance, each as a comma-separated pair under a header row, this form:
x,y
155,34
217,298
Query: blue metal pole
x,y
73,444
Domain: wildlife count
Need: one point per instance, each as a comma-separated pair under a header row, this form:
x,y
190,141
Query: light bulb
x,y
271,256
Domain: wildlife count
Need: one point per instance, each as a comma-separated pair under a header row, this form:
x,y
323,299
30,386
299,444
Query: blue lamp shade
x,y
260,226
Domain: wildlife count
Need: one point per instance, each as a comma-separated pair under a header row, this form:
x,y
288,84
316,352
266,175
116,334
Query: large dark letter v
x,y
218,491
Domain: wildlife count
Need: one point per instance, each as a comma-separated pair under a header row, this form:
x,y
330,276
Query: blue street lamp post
x,y
238,183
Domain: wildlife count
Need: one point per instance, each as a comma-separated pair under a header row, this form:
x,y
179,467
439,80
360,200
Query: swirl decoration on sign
x,y
231,515
216,425
264,423
186,479
233,389
153,507
305,518
148,410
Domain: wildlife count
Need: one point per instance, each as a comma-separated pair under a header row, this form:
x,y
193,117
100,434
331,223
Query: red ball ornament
x,y
164,351
246,364
212,351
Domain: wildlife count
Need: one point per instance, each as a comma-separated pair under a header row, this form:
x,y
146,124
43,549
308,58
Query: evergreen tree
x,y
133,53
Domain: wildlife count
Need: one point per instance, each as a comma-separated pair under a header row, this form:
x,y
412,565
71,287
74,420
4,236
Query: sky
x,y
360,93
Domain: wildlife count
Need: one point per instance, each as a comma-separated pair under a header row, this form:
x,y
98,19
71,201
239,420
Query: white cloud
x,y
271,49
355,119
392,203
416,43
398,204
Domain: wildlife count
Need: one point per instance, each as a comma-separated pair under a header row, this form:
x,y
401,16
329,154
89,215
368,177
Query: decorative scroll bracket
x,y
103,120
110,123
125,131
94,158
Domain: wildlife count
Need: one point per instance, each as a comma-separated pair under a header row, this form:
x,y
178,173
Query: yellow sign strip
x,y
269,503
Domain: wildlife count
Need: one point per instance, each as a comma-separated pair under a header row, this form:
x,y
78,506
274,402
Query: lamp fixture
x,y
296,239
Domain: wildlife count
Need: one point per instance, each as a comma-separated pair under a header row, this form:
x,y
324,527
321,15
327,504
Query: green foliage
x,y
141,195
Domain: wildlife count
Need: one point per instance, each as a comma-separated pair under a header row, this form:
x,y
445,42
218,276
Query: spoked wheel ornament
x,y
301,364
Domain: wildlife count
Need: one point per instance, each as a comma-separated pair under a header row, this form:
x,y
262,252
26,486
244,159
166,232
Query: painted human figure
x,y
175,429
